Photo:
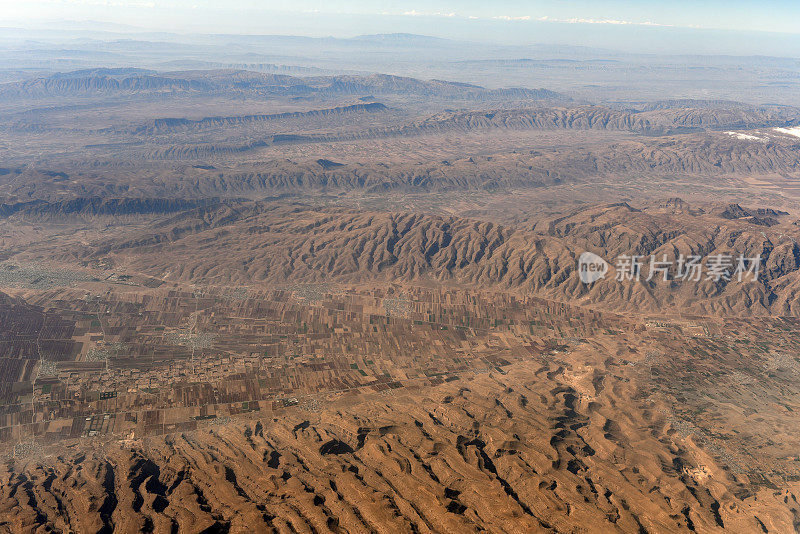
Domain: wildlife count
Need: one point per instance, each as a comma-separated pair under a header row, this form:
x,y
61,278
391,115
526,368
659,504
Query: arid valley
x,y
279,284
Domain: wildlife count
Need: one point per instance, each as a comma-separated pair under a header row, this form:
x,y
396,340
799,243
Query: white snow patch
x,y
793,131
745,137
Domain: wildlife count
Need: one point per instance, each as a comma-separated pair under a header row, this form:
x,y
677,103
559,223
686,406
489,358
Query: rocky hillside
x,y
537,447
275,244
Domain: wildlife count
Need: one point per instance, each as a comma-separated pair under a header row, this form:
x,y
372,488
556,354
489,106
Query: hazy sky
x,y
764,15
631,24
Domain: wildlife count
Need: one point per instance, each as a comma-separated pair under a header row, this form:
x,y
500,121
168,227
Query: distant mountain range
x,y
109,81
